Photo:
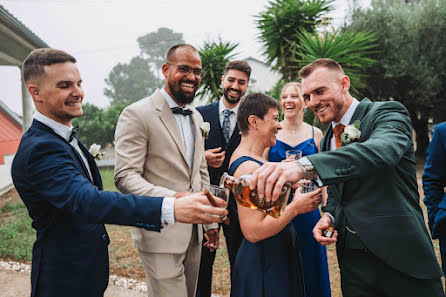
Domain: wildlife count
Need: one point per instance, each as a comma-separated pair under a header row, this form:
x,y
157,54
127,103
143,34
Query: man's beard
x,y
229,98
179,95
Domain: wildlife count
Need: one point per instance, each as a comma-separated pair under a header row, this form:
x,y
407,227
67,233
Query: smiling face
x,y
325,91
268,127
57,93
235,84
183,75
291,101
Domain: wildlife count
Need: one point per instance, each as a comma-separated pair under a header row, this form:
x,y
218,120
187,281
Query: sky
x,y
103,33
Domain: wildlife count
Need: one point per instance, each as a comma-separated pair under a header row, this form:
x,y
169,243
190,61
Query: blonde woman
x,y
298,135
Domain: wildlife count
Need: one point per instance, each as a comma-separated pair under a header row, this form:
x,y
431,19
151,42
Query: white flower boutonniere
x,y
95,151
351,132
205,128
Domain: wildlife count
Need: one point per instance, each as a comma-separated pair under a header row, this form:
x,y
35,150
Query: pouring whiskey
x,y
249,198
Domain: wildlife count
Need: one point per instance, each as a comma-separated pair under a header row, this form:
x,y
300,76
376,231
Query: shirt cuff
x,y
332,217
167,211
319,182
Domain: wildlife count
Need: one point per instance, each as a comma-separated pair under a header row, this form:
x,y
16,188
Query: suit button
x,y
338,171
104,237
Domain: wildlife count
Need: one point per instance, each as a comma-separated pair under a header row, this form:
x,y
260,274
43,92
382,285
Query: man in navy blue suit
x,y
434,182
60,184
223,139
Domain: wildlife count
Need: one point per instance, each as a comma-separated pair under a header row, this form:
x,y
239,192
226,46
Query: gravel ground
x,y
15,281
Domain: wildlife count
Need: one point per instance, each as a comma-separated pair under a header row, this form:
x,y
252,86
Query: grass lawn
x,y
17,237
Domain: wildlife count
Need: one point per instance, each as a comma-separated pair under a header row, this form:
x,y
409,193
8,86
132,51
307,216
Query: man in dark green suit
x,y
383,246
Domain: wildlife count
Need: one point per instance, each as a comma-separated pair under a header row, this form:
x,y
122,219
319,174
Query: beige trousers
x,y
170,275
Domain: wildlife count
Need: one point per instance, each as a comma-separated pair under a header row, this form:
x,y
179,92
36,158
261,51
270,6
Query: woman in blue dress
x,y
298,135
268,263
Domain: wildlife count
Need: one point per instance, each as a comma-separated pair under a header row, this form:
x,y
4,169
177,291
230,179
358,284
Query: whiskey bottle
x,y
249,198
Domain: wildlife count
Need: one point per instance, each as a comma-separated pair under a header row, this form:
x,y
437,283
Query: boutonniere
x,y
95,151
351,132
205,127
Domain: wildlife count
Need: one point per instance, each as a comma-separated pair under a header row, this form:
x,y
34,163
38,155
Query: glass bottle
x,y
247,197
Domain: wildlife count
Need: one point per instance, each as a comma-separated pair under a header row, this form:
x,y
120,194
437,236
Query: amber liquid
x,y
249,198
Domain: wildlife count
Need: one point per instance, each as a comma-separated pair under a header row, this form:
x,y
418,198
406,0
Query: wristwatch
x,y
307,168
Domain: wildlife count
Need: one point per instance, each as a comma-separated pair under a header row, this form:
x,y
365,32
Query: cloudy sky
x,y
102,33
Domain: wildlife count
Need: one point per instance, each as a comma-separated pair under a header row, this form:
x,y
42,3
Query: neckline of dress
x,y
309,139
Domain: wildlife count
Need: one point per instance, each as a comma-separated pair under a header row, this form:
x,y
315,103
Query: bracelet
x,y
307,169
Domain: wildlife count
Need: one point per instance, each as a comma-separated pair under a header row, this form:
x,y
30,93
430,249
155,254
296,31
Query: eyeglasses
x,y
185,70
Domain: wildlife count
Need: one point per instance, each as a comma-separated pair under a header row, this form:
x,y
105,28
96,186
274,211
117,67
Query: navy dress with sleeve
x,y
314,255
268,268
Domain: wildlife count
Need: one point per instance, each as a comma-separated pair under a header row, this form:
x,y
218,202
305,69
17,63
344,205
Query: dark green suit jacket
x,y
373,185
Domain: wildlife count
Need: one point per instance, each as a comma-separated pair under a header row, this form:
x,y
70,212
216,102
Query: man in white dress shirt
x,y
160,151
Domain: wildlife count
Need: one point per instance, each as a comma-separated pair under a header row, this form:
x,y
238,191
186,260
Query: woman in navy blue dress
x,y
268,262
298,135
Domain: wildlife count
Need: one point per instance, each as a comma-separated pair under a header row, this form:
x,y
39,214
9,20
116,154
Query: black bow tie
x,y
73,133
179,110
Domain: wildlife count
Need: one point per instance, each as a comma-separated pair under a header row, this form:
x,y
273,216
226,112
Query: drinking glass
x,y
293,154
308,186
220,192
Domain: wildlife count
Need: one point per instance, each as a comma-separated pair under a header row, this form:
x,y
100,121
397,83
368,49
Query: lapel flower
x,y
95,151
205,127
351,132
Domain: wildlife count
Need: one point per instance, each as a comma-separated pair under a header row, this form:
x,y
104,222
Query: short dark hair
x,y
173,49
239,65
33,66
257,104
323,62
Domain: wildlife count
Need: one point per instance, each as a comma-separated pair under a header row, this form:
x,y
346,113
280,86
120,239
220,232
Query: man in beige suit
x,y
160,152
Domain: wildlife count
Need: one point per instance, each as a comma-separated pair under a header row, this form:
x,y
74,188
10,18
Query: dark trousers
x,y
233,236
364,275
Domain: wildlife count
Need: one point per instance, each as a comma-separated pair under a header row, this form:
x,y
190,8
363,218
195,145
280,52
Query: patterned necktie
x,y
337,132
226,124
73,133
183,111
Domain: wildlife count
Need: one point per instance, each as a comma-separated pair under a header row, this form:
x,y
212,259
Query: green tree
x,y
214,57
98,125
350,49
155,45
279,26
411,67
130,82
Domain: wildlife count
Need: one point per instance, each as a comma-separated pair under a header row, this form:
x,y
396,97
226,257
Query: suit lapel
x,y
198,145
93,167
325,142
361,110
167,118
216,117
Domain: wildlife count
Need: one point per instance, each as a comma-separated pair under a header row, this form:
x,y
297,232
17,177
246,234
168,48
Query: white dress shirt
x,y
232,117
186,127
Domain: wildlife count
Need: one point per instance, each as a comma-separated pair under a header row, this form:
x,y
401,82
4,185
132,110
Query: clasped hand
x,y
195,208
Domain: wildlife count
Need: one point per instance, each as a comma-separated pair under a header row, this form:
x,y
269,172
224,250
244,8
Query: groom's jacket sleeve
x,y
386,136
434,181
46,173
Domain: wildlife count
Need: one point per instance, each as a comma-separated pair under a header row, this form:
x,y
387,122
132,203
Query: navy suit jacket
x,y
68,210
210,113
434,181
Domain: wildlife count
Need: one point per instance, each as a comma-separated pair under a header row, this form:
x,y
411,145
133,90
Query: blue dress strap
x,y
239,161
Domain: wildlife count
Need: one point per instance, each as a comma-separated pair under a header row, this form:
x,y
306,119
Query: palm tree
x,y
279,25
214,57
351,50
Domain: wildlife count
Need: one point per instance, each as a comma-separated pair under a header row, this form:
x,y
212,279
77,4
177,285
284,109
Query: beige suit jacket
x,y
151,160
